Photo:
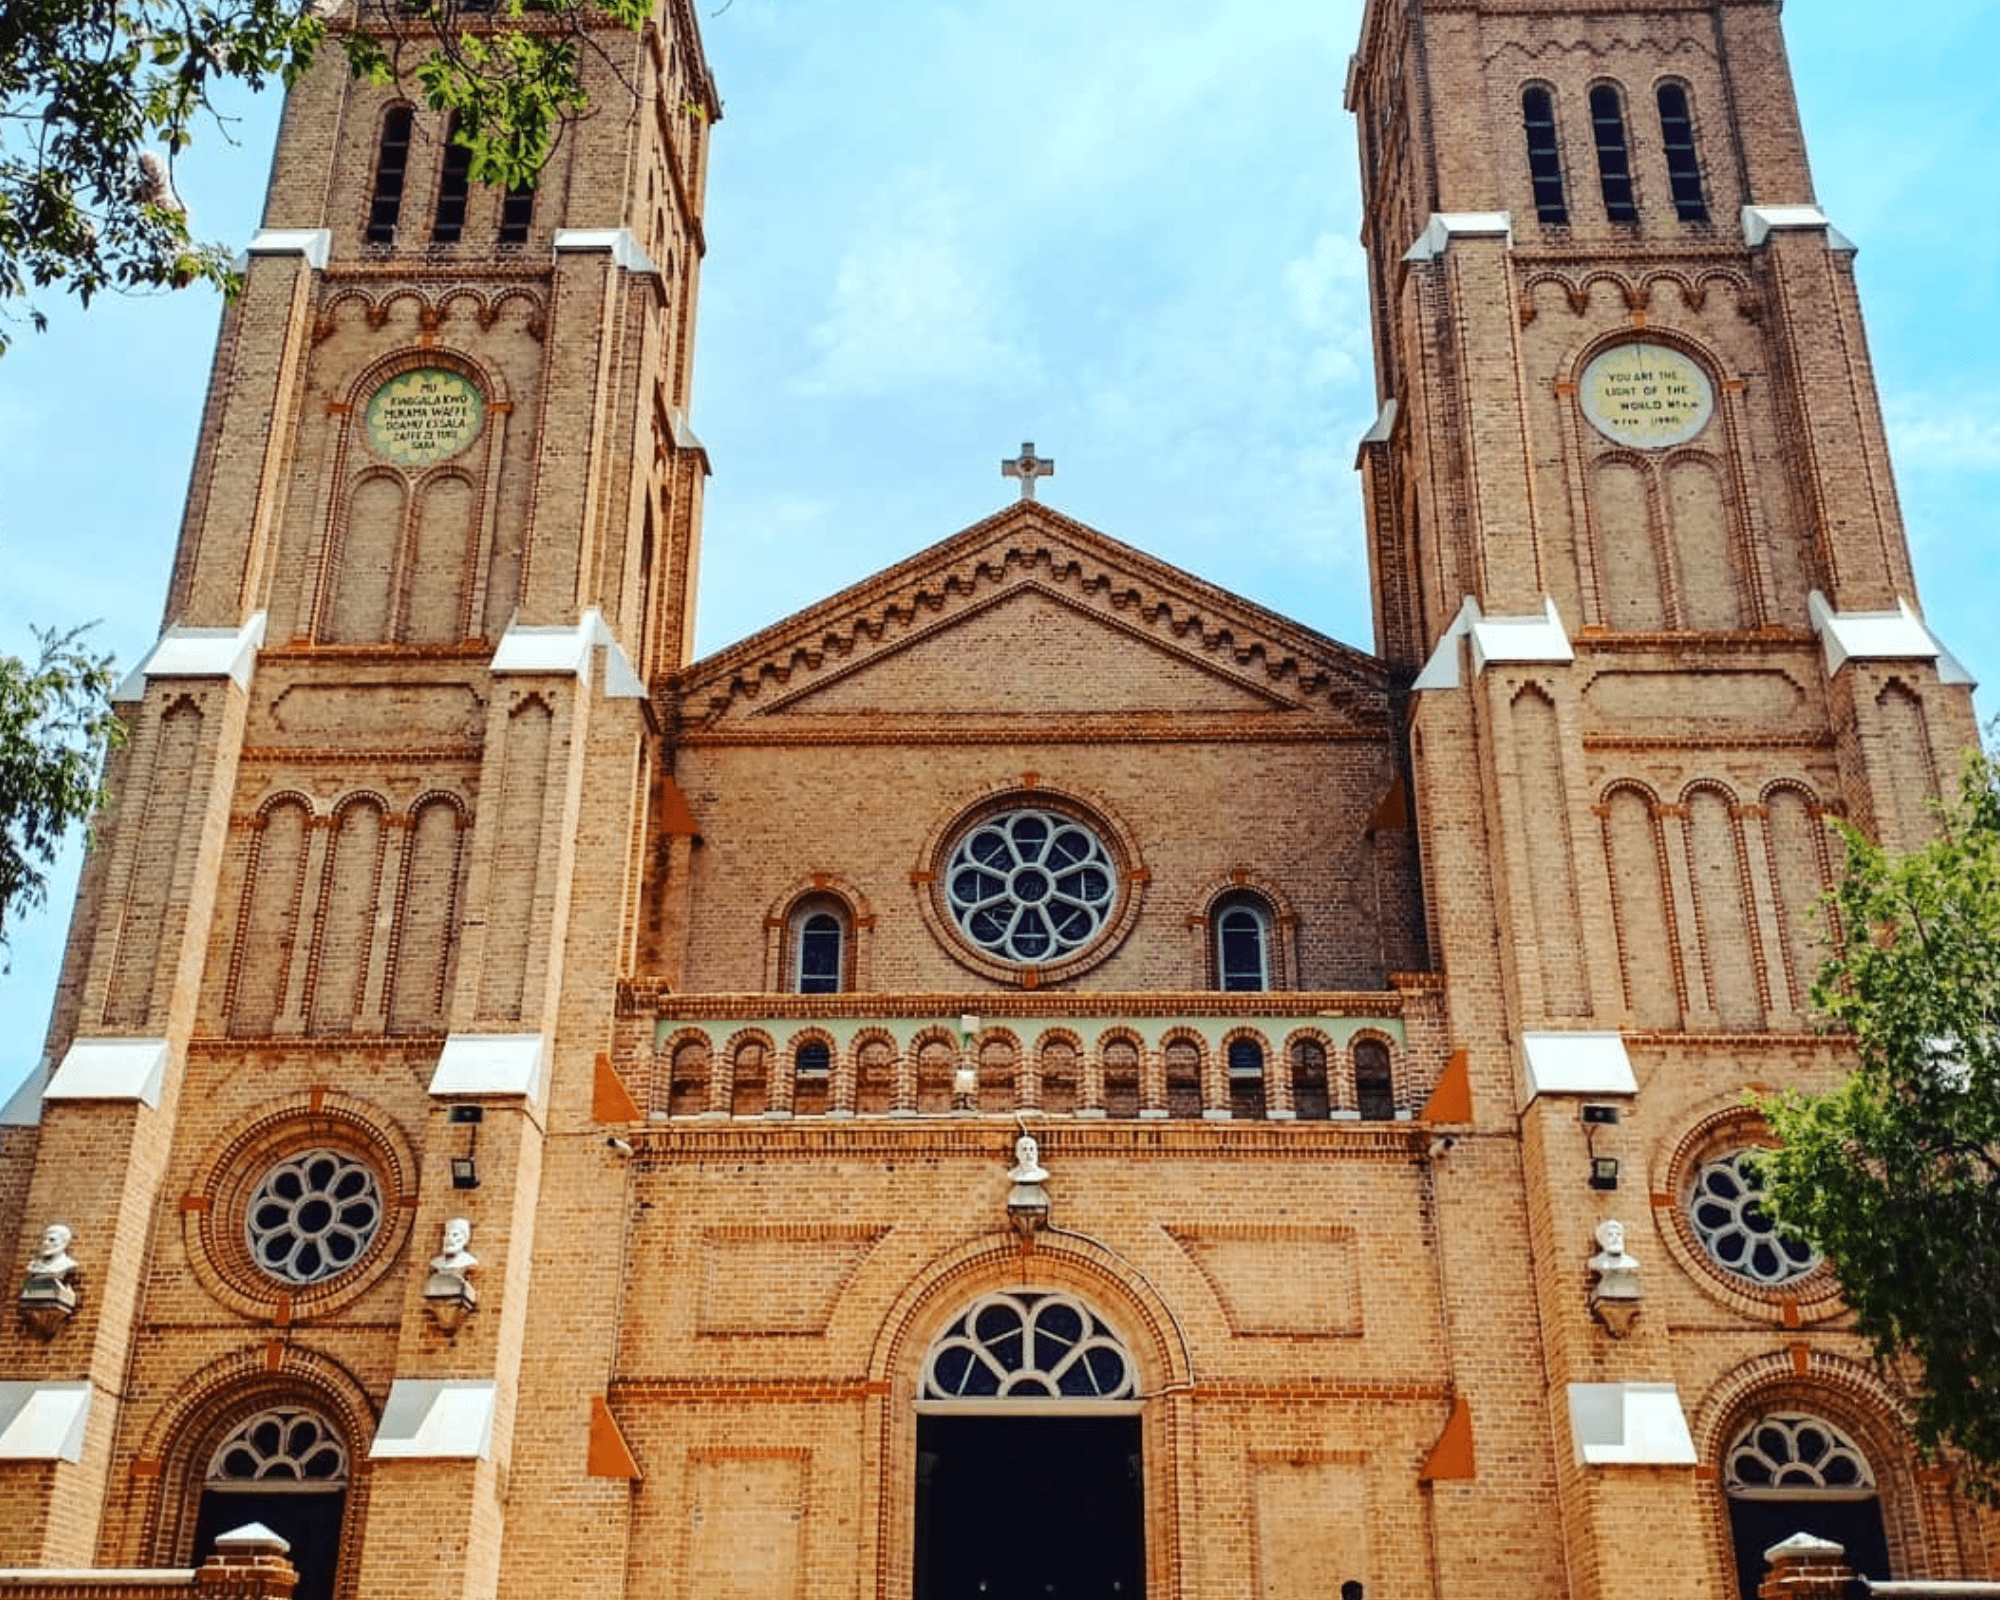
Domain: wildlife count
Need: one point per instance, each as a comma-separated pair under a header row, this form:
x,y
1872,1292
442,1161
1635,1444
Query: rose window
x,y
1030,886
1729,1219
312,1216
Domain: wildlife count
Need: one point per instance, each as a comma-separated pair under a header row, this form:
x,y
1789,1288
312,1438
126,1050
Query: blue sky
x,y
1124,229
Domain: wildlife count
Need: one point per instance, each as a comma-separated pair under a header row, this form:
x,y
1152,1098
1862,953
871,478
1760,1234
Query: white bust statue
x,y
1027,1161
53,1259
1617,1272
455,1260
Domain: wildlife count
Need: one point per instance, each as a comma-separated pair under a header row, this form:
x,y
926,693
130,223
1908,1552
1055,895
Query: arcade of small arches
x,y
1216,1071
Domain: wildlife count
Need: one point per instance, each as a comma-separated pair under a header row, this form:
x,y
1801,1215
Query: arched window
x,y
1246,1080
1683,168
1614,157
454,189
1538,119
1121,1079
392,161
688,1075
1242,946
749,1081
819,948
1310,1100
287,1468
812,1078
1183,1064
1792,1472
1374,1082
517,215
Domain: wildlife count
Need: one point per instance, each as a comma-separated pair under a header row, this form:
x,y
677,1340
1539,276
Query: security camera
x,y
619,1147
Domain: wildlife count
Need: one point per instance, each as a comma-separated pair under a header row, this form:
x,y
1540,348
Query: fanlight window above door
x,y
285,1448
1792,1455
1028,1347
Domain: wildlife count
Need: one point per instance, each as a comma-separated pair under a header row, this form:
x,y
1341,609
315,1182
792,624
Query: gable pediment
x,y
1029,618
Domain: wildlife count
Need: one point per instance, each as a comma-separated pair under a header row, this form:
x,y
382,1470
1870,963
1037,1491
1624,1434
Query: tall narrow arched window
x,y
819,949
1538,120
1374,1082
392,162
454,189
517,215
1242,946
1683,168
1614,155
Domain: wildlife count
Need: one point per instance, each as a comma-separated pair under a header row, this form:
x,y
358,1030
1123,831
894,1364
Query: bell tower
x,y
1636,542
370,879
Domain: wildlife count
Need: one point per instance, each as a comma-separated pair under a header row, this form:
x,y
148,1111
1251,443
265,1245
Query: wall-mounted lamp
x,y
465,1169
1603,1169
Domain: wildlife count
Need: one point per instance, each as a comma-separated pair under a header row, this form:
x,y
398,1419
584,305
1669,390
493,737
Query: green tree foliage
x,y
1895,1176
55,724
101,99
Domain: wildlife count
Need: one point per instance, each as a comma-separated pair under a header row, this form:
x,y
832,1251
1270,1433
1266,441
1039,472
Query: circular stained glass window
x,y
1729,1219
1030,886
312,1216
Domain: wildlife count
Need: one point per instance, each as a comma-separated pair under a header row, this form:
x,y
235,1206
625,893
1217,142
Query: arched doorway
x,y
1030,1481
285,1467
1792,1472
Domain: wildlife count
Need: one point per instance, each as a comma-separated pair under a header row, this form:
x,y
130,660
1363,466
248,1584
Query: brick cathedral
x,y
532,1115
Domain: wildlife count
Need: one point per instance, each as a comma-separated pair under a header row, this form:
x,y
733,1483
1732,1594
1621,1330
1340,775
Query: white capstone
x,y
1445,226
436,1419
490,1064
1577,1063
111,1069
570,651
199,653
1898,635
315,244
1496,641
43,1421
1760,222
252,1537
623,247
1385,424
1520,639
1806,1544
1629,1425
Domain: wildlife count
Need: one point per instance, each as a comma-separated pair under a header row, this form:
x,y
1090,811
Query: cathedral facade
x,y
1036,1075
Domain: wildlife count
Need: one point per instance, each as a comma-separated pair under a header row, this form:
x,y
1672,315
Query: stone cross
x,y
1027,466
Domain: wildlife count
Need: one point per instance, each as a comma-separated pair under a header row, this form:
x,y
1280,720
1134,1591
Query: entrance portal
x,y
1041,1507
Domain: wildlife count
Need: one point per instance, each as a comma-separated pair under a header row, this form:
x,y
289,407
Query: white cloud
x,y
1932,431
915,301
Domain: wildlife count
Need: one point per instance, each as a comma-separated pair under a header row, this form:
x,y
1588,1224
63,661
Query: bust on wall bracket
x,y
48,1298
1615,1294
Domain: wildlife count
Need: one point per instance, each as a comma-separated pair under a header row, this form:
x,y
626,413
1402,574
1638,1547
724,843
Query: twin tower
x,y
1035,1075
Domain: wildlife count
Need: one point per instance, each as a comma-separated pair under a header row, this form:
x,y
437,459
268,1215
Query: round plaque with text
x,y
1648,396
423,416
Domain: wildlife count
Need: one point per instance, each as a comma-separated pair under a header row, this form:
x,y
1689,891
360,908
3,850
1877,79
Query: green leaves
x,y
94,92
1895,1176
55,724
